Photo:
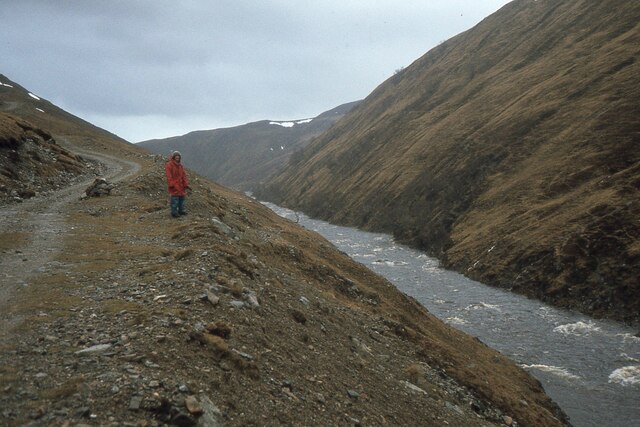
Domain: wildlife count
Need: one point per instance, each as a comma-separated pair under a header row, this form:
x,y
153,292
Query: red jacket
x,y
176,178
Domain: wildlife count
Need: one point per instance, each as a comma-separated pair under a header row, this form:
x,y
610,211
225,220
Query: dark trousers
x,y
177,206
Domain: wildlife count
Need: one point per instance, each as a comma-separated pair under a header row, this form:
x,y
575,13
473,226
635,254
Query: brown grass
x,y
114,306
8,376
415,373
49,294
65,390
12,240
183,254
220,329
236,288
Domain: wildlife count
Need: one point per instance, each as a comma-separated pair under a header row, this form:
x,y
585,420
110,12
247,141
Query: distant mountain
x,y
511,151
243,156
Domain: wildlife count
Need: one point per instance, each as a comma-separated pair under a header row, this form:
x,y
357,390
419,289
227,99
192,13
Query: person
x,y
178,184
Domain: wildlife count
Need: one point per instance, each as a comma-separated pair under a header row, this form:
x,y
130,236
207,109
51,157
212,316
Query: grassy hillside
x,y
243,156
510,151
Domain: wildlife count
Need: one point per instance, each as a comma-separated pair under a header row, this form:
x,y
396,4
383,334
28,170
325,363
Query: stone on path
x,y
135,402
252,299
211,416
212,298
193,406
95,349
413,387
99,187
222,227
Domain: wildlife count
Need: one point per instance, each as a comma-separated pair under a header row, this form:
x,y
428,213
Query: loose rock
x,y
193,406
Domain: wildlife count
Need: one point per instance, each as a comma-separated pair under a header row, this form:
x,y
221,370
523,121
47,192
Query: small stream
x,y
591,368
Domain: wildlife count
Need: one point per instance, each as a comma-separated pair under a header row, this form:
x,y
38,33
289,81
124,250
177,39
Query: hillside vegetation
x,y
511,152
114,313
242,157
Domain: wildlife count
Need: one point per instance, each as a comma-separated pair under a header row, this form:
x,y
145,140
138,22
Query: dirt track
x,y
39,226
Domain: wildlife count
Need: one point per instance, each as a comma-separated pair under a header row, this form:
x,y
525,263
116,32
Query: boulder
x,y
99,187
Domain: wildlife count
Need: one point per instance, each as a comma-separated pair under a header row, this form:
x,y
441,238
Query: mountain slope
x,y
18,101
32,160
114,313
509,151
243,156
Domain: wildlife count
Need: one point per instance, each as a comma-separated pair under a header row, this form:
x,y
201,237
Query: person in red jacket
x,y
178,184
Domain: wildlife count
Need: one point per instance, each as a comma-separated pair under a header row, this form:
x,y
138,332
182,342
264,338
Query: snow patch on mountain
x,y
291,124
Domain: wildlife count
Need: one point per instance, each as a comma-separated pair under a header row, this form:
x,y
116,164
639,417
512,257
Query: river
x,y
590,367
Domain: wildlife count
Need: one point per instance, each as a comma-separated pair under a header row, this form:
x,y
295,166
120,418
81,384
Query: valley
x,y
114,313
509,152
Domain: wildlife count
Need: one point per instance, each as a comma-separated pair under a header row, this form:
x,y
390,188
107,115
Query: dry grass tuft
x,y
117,306
67,389
236,288
220,329
12,240
415,373
8,376
299,316
183,254
216,343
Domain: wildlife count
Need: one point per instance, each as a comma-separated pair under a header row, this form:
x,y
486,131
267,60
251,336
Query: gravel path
x,y
43,221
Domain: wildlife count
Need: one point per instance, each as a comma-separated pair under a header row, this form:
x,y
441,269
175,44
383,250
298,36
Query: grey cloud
x,y
234,61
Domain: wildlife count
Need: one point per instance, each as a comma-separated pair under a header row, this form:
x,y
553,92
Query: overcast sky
x,y
146,69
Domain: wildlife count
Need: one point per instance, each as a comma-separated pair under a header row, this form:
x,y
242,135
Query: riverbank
x,y
590,367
